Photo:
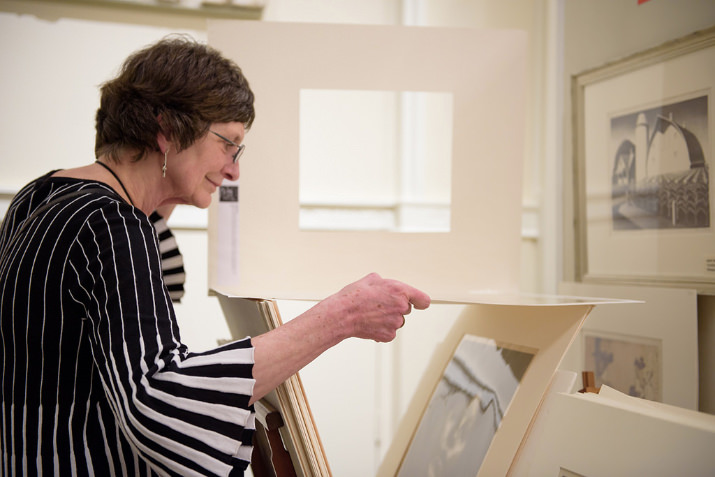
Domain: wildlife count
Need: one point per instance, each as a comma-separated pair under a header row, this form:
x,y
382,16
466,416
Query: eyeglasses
x,y
239,148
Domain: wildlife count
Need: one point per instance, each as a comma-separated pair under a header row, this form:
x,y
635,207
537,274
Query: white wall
x,y
49,88
54,58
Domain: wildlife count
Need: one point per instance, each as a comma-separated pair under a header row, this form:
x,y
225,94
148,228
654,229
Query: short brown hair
x,y
188,85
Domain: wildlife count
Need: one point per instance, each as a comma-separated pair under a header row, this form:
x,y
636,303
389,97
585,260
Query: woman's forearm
x,y
371,308
282,352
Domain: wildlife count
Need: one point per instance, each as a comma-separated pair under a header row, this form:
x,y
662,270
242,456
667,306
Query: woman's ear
x,y
163,142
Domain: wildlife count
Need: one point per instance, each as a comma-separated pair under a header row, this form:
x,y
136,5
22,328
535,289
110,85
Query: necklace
x,y
118,180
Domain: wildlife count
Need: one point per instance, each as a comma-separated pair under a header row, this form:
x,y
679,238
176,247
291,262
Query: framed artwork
x,y
644,138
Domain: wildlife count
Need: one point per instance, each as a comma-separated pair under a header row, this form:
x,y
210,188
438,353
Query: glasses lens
x,y
239,153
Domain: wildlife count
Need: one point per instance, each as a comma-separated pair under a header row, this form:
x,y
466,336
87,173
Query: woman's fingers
x,y
382,305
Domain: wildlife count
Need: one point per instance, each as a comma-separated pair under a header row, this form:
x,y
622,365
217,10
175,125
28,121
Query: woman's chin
x,y
202,202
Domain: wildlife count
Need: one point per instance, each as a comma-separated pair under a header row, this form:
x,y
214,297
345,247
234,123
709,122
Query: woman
x,y
95,379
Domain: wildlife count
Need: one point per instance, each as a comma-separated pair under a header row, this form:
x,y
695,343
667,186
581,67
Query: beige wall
x,y
594,34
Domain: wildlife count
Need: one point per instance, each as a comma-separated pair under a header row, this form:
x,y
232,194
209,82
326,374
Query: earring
x,y
163,168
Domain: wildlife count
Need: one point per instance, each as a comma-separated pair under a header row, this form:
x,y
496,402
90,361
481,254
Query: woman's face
x,y
200,169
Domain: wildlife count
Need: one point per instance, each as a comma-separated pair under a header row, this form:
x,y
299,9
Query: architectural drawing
x,y
660,176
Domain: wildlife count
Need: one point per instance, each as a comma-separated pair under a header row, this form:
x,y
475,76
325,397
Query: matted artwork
x,y
299,434
644,149
466,408
537,337
646,348
630,364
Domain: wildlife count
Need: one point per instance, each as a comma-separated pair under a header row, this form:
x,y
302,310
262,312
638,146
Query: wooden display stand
x,y
270,457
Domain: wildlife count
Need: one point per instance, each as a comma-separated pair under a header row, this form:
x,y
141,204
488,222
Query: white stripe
x,y
120,454
176,294
174,278
230,356
107,450
168,244
87,455
229,385
244,453
221,412
172,262
160,226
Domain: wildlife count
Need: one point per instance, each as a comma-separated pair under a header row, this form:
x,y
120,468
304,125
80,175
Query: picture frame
x,y
644,137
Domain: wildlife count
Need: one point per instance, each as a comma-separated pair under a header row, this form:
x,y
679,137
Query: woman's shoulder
x,y
70,197
51,186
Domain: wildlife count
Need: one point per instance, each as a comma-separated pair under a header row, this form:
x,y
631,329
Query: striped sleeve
x,y
172,262
185,413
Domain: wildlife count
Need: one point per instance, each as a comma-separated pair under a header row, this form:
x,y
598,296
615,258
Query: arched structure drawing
x,y
661,178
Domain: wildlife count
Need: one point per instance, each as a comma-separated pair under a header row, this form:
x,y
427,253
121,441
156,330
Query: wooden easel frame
x,y
270,457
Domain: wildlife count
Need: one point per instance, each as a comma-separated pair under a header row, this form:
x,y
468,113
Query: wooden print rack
x,y
270,457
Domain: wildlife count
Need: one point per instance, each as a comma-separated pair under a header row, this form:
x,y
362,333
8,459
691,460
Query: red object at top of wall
x,y
641,1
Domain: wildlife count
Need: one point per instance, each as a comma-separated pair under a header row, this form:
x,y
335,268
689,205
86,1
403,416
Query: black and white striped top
x,y
95,379
172,262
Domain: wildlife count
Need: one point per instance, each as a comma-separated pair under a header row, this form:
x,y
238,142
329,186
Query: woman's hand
x,y
371,308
